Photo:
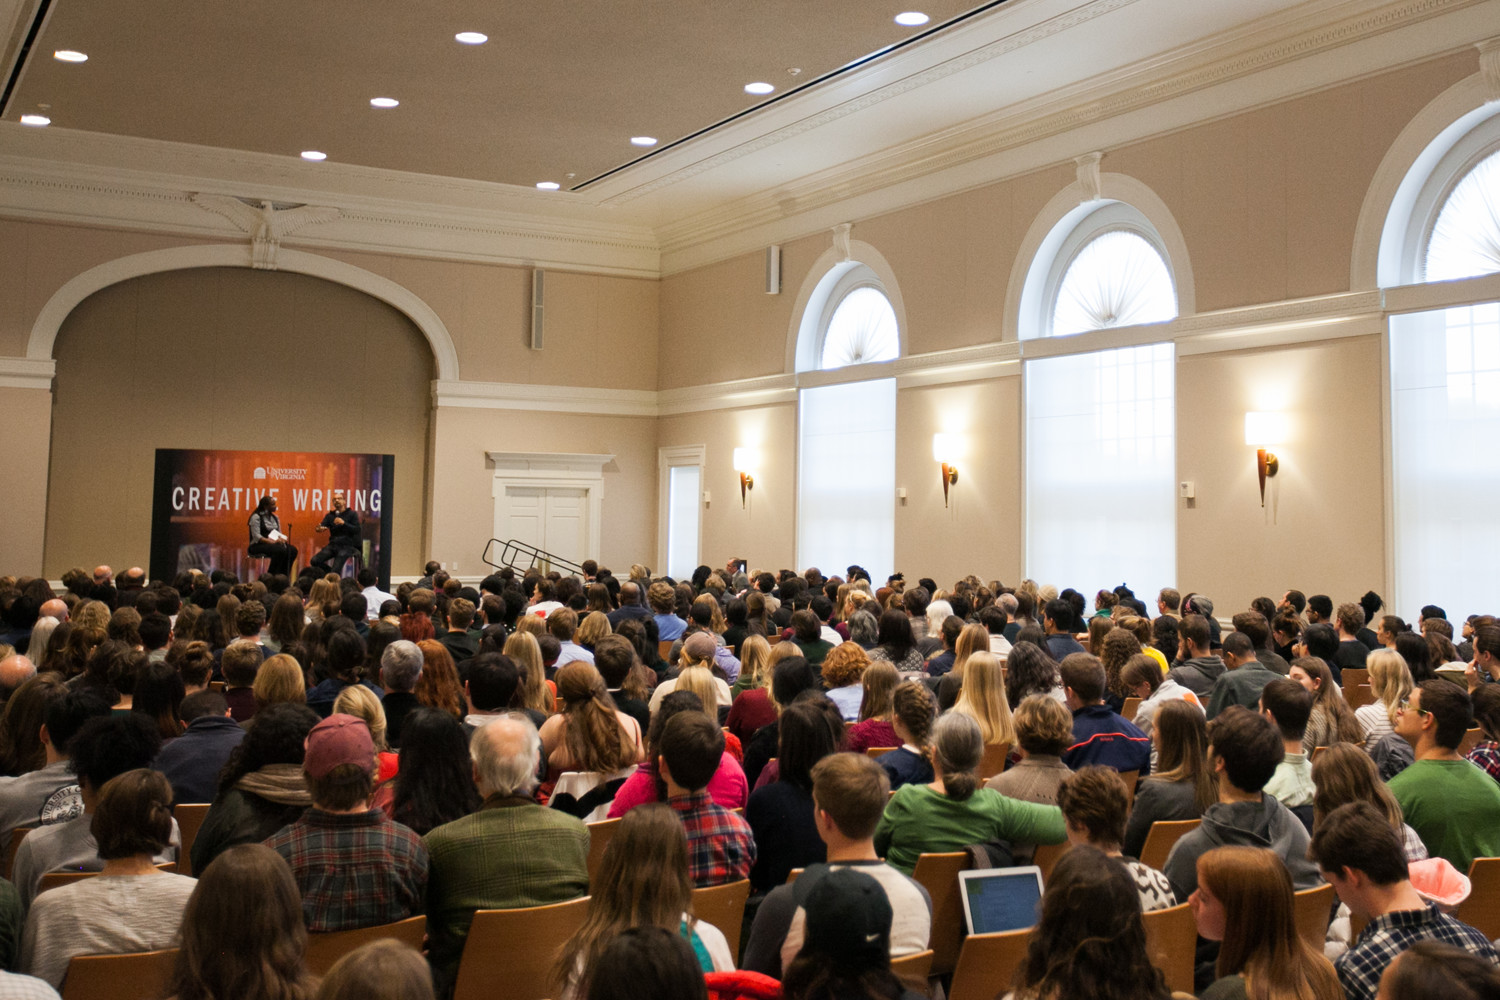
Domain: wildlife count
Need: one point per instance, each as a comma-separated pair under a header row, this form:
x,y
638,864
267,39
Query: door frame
x,y
563,470
666,460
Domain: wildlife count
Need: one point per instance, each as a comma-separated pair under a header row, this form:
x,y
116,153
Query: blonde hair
x,y
360,702
530,624
700,681
595,626
973,639
522,647
982,698
280,679
1390,679
755,661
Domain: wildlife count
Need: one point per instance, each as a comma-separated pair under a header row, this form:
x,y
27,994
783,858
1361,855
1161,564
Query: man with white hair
x,y
511,853
400,669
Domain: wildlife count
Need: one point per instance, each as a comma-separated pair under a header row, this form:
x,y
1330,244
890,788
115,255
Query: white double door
x,y
554,519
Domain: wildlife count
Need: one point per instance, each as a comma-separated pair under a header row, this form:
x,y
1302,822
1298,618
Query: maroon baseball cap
x,y
338,739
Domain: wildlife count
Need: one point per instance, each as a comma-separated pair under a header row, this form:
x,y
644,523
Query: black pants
x,y
330,558
282,554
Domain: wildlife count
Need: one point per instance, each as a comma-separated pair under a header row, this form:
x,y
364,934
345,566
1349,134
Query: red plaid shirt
x,y
354,870
721,848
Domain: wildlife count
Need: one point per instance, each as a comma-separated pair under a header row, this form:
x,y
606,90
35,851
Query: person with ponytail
x,y
953,811
911,762
589,734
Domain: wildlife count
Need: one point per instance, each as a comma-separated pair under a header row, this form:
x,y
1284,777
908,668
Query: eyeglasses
x,y
1407,706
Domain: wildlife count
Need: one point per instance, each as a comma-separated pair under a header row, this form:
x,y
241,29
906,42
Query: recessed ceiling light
x,y
547,185
68,55
313,154
642,140
912,18
758,88
471,37
35,120
383,102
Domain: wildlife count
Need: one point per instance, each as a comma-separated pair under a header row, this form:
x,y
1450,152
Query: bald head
x,y
630,593
103,574
15,670
506,753
55,608
134,577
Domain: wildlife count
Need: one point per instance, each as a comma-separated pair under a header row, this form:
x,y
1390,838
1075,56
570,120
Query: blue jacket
x,y
1102,737
192,762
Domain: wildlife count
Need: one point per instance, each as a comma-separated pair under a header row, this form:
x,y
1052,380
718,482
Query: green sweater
x,y
918,820
1453,806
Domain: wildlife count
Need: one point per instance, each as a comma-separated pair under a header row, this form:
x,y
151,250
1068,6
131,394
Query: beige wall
x,y
225,358
1323,527
25,430
463,515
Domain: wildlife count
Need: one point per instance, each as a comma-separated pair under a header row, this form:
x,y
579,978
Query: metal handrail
x,y
519,555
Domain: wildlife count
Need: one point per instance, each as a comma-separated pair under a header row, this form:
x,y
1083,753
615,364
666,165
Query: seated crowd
x,y
358,758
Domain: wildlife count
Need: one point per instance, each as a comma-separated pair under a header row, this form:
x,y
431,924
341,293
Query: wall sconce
x,y
1261,431
745,461
945,448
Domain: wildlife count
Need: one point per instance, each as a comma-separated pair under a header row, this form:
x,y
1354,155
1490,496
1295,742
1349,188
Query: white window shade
x,y
684,484
1445,420
1466,236
846,480
1100,469
1116,279
861,330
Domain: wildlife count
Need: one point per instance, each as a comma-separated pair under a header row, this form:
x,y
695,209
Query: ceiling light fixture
x,y
35,120
758,88
642,140
547,185
69,55
471,38
912,19
314,155
383,102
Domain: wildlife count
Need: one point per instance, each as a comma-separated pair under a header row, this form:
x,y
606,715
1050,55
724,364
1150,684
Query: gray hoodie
x,y
1266,823
1198,674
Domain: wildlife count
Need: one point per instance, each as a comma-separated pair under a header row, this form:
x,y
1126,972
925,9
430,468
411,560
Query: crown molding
x,y
1271,62
27,373
545,398
509,230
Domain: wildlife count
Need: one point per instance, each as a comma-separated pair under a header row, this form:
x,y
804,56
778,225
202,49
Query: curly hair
x,y
1119,645
844,665
277,737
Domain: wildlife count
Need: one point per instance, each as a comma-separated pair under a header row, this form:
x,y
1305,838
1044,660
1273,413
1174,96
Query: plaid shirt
x,y
721,848
354,870
1387,936
1486,756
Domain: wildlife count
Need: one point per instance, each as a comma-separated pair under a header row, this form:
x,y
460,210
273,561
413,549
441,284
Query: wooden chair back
x,y
791,876
55,880
1359,695
1470,741
1482,908
323,950
600,834
1354,677
141,975
1160,838
1128,710
873,752
938,874
1171,936
17,835
189,816
517,947
913,970
1046,857
993,761
987,963
724,907
1131,779
1313,911
1316,751
664,649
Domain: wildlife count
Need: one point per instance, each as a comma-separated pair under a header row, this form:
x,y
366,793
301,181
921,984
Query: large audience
x,y
366,757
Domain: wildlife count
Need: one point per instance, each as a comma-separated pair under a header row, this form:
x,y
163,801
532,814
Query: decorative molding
x,y
552,463
1489,67
27,373
265,224
736,394
1030,135
1088,176
49,321
544,398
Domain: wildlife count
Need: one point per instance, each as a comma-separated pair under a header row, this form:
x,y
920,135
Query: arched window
x,y
846,457
1445,384
1100,445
